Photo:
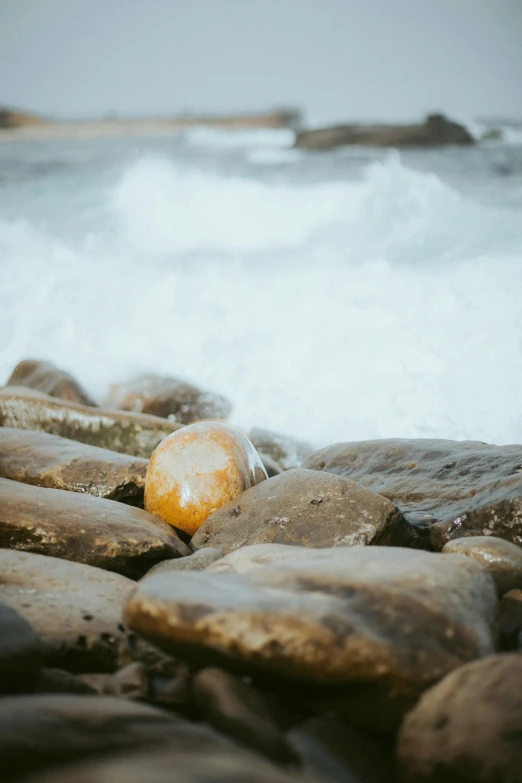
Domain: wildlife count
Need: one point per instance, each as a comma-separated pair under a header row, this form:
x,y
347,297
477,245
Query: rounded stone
x,y
196,470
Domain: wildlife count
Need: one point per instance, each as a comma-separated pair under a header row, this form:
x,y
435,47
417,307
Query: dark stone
x,y
45,377
509,621
435,131
272,467
74,609
21,655
201,559
333,751
50,461
85,529
129,682
61,681
304,508
240,711
468,727
194,755
501,559
169,398
284,450
45,730
369,628
126,433
447,489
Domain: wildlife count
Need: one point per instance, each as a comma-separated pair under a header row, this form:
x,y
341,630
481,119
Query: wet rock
x,y
61,681
126,433
20,653
467,728
74,609
453,488
304,508
435,131
168,398
284,450
201,559
58,463
194,755
370,627
84,529
272,467
195,471
241,712
45,730
509,621
501,559
173,693
129,682
47,378
333,751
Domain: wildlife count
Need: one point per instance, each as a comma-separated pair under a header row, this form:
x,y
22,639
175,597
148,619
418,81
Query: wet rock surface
x,y
194,755
58,463
46,378
510,621
75,610
21,655
448,489
227,661
381,623
85,529
501,559
468,727
136,434
195,471
240,711
168,397
40,731
198,561
334,751
302,508
436,131
284,450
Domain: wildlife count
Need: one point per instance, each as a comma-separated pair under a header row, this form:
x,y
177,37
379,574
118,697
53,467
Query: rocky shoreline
x,y
352,614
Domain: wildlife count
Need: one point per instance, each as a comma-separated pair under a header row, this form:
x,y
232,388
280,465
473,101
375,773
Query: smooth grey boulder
x,y
75,610
501,559
303,508
47,729
46,460
85,529
127,433
468,727
194,755
370,627
446,489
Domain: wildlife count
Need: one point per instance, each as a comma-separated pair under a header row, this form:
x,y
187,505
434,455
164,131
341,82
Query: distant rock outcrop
x,y
17,119
435,131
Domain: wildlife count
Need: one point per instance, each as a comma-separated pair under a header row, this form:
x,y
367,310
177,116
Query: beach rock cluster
x,y
273,614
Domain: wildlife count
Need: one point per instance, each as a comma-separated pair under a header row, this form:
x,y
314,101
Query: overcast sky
x,y
334,58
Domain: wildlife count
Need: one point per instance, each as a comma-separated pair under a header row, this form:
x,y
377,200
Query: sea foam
x,y
384,305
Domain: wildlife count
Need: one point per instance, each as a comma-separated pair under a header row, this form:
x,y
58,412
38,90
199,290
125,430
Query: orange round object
x,y
196,470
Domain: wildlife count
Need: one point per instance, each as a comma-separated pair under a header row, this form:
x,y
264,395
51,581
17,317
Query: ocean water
x,y
332,296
